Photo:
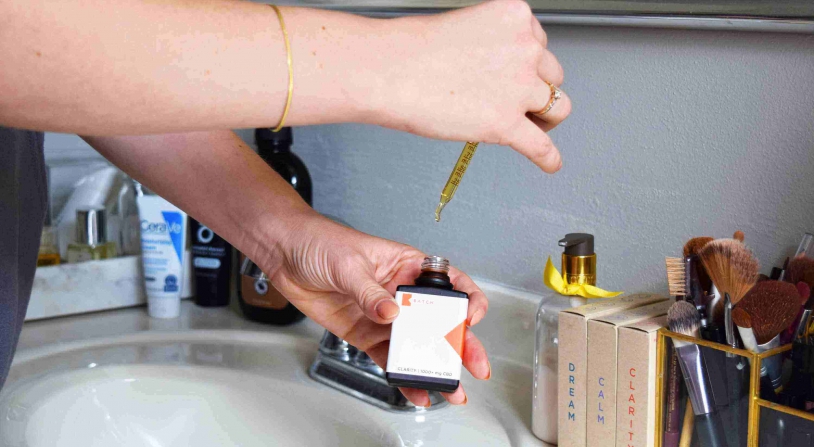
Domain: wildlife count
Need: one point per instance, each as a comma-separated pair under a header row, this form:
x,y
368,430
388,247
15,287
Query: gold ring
x,y
556,94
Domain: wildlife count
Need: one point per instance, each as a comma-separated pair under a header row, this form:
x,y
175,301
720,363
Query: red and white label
x,y
427,337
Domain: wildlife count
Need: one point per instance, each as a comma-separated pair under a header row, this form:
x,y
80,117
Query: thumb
x,y
376,302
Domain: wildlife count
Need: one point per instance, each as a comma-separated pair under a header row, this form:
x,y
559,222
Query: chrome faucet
x,y
342,366
350,370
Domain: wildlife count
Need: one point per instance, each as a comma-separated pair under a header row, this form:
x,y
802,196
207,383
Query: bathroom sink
x,y
228,388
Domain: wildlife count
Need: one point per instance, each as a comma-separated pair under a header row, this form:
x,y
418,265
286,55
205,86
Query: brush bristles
x,y
731,266
801,269
805,292
695,244
741,318
683,318
773,306
739,236
676,276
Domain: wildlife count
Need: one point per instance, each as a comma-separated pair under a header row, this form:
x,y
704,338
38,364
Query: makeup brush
x,y
801,268
790,333
773,307
683,318
687,427
695,244
801,329
676,277
691,248
743,322
732,268
677,285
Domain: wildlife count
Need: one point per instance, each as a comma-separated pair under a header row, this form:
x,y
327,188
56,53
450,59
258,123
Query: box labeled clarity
x,y
427,339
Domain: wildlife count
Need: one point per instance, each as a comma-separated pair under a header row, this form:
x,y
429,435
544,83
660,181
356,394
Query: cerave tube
x,y
163,229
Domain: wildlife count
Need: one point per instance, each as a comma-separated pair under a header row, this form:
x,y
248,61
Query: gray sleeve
x,y
23,198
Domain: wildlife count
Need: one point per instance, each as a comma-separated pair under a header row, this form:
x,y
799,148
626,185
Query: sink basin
x,y
224,388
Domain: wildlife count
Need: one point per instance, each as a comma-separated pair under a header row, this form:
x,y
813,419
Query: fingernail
x,y
387,309
466,399
476,317
427,403
489,375
560,165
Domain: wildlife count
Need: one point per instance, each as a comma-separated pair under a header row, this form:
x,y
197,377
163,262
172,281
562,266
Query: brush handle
x,y
715,363
695,291
802,325
773,366
688,427
733,378
696,378
671,430
780,431
710,430
729,326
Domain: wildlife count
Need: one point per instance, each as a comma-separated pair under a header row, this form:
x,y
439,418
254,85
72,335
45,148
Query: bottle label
x,y
163,238
260,293
427,337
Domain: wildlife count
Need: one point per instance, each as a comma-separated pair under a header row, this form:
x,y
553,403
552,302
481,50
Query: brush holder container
x,y
750,413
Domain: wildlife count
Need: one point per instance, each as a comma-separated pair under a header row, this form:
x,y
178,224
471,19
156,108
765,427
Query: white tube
x,y
163,240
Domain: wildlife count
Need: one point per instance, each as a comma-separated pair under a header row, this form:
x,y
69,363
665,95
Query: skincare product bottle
x,y
163,243
49,241
275,149
258,299
427,337
211,266
49,249
578,267
91,237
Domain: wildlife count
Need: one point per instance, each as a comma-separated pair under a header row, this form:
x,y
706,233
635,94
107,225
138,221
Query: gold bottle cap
x,y
578,259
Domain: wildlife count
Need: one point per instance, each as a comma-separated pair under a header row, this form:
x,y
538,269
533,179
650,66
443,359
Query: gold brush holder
x,y
755,402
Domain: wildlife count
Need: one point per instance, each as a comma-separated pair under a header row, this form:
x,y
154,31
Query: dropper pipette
x,y
455,177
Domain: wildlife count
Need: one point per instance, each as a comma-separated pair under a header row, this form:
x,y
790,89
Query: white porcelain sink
x,y
227,388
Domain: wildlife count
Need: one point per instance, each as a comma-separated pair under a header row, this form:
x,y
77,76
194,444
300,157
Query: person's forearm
x,y
217,179
100,67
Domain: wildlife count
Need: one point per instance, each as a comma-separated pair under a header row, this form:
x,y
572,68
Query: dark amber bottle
x,y
258,299
427,337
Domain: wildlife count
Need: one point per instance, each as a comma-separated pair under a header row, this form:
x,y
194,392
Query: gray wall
x,y
674,134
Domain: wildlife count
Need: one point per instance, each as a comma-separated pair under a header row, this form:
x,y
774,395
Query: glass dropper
x,y
455,177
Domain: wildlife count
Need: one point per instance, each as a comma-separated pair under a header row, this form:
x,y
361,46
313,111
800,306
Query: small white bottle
x,y
578,267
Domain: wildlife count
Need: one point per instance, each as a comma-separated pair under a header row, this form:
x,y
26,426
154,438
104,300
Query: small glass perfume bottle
x,y
49,240
49,249
91,237
427,337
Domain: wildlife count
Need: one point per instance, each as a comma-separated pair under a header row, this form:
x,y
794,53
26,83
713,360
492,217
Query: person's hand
x,y
345,281
475,74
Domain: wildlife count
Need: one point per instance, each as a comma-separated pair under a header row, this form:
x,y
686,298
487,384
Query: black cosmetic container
x,y
211,266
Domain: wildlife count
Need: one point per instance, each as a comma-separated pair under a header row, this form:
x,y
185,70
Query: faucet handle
x,y
335,347
363,361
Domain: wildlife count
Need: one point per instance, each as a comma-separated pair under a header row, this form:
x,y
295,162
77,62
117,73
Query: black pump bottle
x,y
258,299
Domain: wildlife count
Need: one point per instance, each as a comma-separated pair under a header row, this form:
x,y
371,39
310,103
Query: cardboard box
x,y
636,387
602,361
573,361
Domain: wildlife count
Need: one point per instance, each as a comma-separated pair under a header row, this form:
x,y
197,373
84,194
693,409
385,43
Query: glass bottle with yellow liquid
x,y
91,237
49,249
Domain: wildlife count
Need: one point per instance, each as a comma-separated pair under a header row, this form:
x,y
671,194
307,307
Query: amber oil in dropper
x,y
455,177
